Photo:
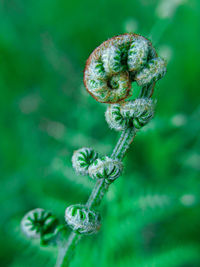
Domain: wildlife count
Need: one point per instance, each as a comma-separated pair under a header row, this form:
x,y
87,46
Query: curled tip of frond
x,y
38,222
117,62
82,159
82,220
106,168
135,113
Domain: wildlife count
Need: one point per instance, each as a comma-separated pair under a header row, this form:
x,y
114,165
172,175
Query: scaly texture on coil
x,y
105,168
135,113
117,62
153,71
38,222
82,220
82,159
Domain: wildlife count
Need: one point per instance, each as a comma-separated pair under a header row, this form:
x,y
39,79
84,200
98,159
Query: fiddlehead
x,y
82,159
130,114
119,61
82,220
39,224
105,168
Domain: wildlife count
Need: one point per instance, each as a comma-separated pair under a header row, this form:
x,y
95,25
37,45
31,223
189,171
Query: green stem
x,y
97,193
67,247
123,144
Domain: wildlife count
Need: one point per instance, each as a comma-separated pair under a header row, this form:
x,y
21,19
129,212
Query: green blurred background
x,y
151,214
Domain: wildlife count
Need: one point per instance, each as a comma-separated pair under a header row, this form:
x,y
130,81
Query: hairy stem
x,y
123,144
67,248
97,193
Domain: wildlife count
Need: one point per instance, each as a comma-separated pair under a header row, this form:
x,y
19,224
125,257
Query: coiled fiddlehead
x,y
39,224
119,61
82,159
105,168
130,114
82,220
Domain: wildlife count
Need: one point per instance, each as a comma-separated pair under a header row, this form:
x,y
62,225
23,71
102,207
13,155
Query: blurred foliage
x,y
151,214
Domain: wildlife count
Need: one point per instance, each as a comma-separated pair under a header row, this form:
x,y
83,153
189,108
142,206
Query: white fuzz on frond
x,y
38,222
82,159
106,168
125,58
130,114
152,72
82,220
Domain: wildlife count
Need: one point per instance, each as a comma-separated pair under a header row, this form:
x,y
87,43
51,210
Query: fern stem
x,y
123,144
97,193
67,248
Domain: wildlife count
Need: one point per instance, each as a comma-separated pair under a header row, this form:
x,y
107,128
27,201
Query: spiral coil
x,y
105,168
117,62
130,114
82,220
38,223
82,159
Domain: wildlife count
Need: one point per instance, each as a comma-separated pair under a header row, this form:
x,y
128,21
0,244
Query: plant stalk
x,y
67,247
